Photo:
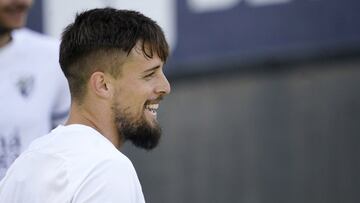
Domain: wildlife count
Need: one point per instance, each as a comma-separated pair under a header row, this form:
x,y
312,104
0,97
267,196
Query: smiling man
x,y
113,61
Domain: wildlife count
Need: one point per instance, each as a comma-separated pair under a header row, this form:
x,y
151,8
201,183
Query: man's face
x,y
13,14
138,91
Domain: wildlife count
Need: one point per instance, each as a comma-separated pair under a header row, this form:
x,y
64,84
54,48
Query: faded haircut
x,y
100,40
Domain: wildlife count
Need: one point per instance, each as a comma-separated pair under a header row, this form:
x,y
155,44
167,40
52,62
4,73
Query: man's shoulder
x,y
81,146
115,179
76,175
81,152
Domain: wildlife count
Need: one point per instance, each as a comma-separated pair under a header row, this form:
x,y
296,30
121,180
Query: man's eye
x,y
149,75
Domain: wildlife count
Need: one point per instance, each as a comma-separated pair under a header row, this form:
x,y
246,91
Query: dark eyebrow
x,y
151,69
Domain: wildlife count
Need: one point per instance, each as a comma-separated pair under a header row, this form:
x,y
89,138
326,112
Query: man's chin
x,y
143,134
152,123
146,137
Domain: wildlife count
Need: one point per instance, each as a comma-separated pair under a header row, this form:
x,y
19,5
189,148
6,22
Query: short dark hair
x,y
99,36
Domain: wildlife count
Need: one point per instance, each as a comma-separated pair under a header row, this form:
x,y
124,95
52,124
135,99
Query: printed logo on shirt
x,y
25,85
10,147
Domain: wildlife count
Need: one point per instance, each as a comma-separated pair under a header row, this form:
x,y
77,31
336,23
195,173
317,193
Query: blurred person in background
x,y
34,94
113,61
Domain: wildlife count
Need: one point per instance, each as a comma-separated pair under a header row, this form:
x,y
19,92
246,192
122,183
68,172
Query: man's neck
x,y
5,38
89,115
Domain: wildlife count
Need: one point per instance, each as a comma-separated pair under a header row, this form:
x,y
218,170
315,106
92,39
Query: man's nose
x,y
163,86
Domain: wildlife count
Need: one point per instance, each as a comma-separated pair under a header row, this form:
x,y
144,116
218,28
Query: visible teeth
x,y
152,106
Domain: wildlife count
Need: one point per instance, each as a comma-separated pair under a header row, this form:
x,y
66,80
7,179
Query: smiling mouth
x,y
152,108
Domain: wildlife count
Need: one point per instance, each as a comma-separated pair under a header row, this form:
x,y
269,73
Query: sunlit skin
x,y
13,14
141,82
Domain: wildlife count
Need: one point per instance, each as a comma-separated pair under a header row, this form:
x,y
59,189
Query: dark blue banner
x,y
247,33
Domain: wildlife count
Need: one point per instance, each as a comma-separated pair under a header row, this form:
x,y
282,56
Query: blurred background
x,y
265,102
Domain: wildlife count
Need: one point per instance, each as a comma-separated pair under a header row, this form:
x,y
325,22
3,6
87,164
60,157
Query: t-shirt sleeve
x,y
110,182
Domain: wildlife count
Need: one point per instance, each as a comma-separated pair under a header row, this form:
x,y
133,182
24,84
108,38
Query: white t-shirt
x,y
73,163
34,93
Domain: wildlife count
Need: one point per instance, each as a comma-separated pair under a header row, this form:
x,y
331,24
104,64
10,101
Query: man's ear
x,y
100,84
